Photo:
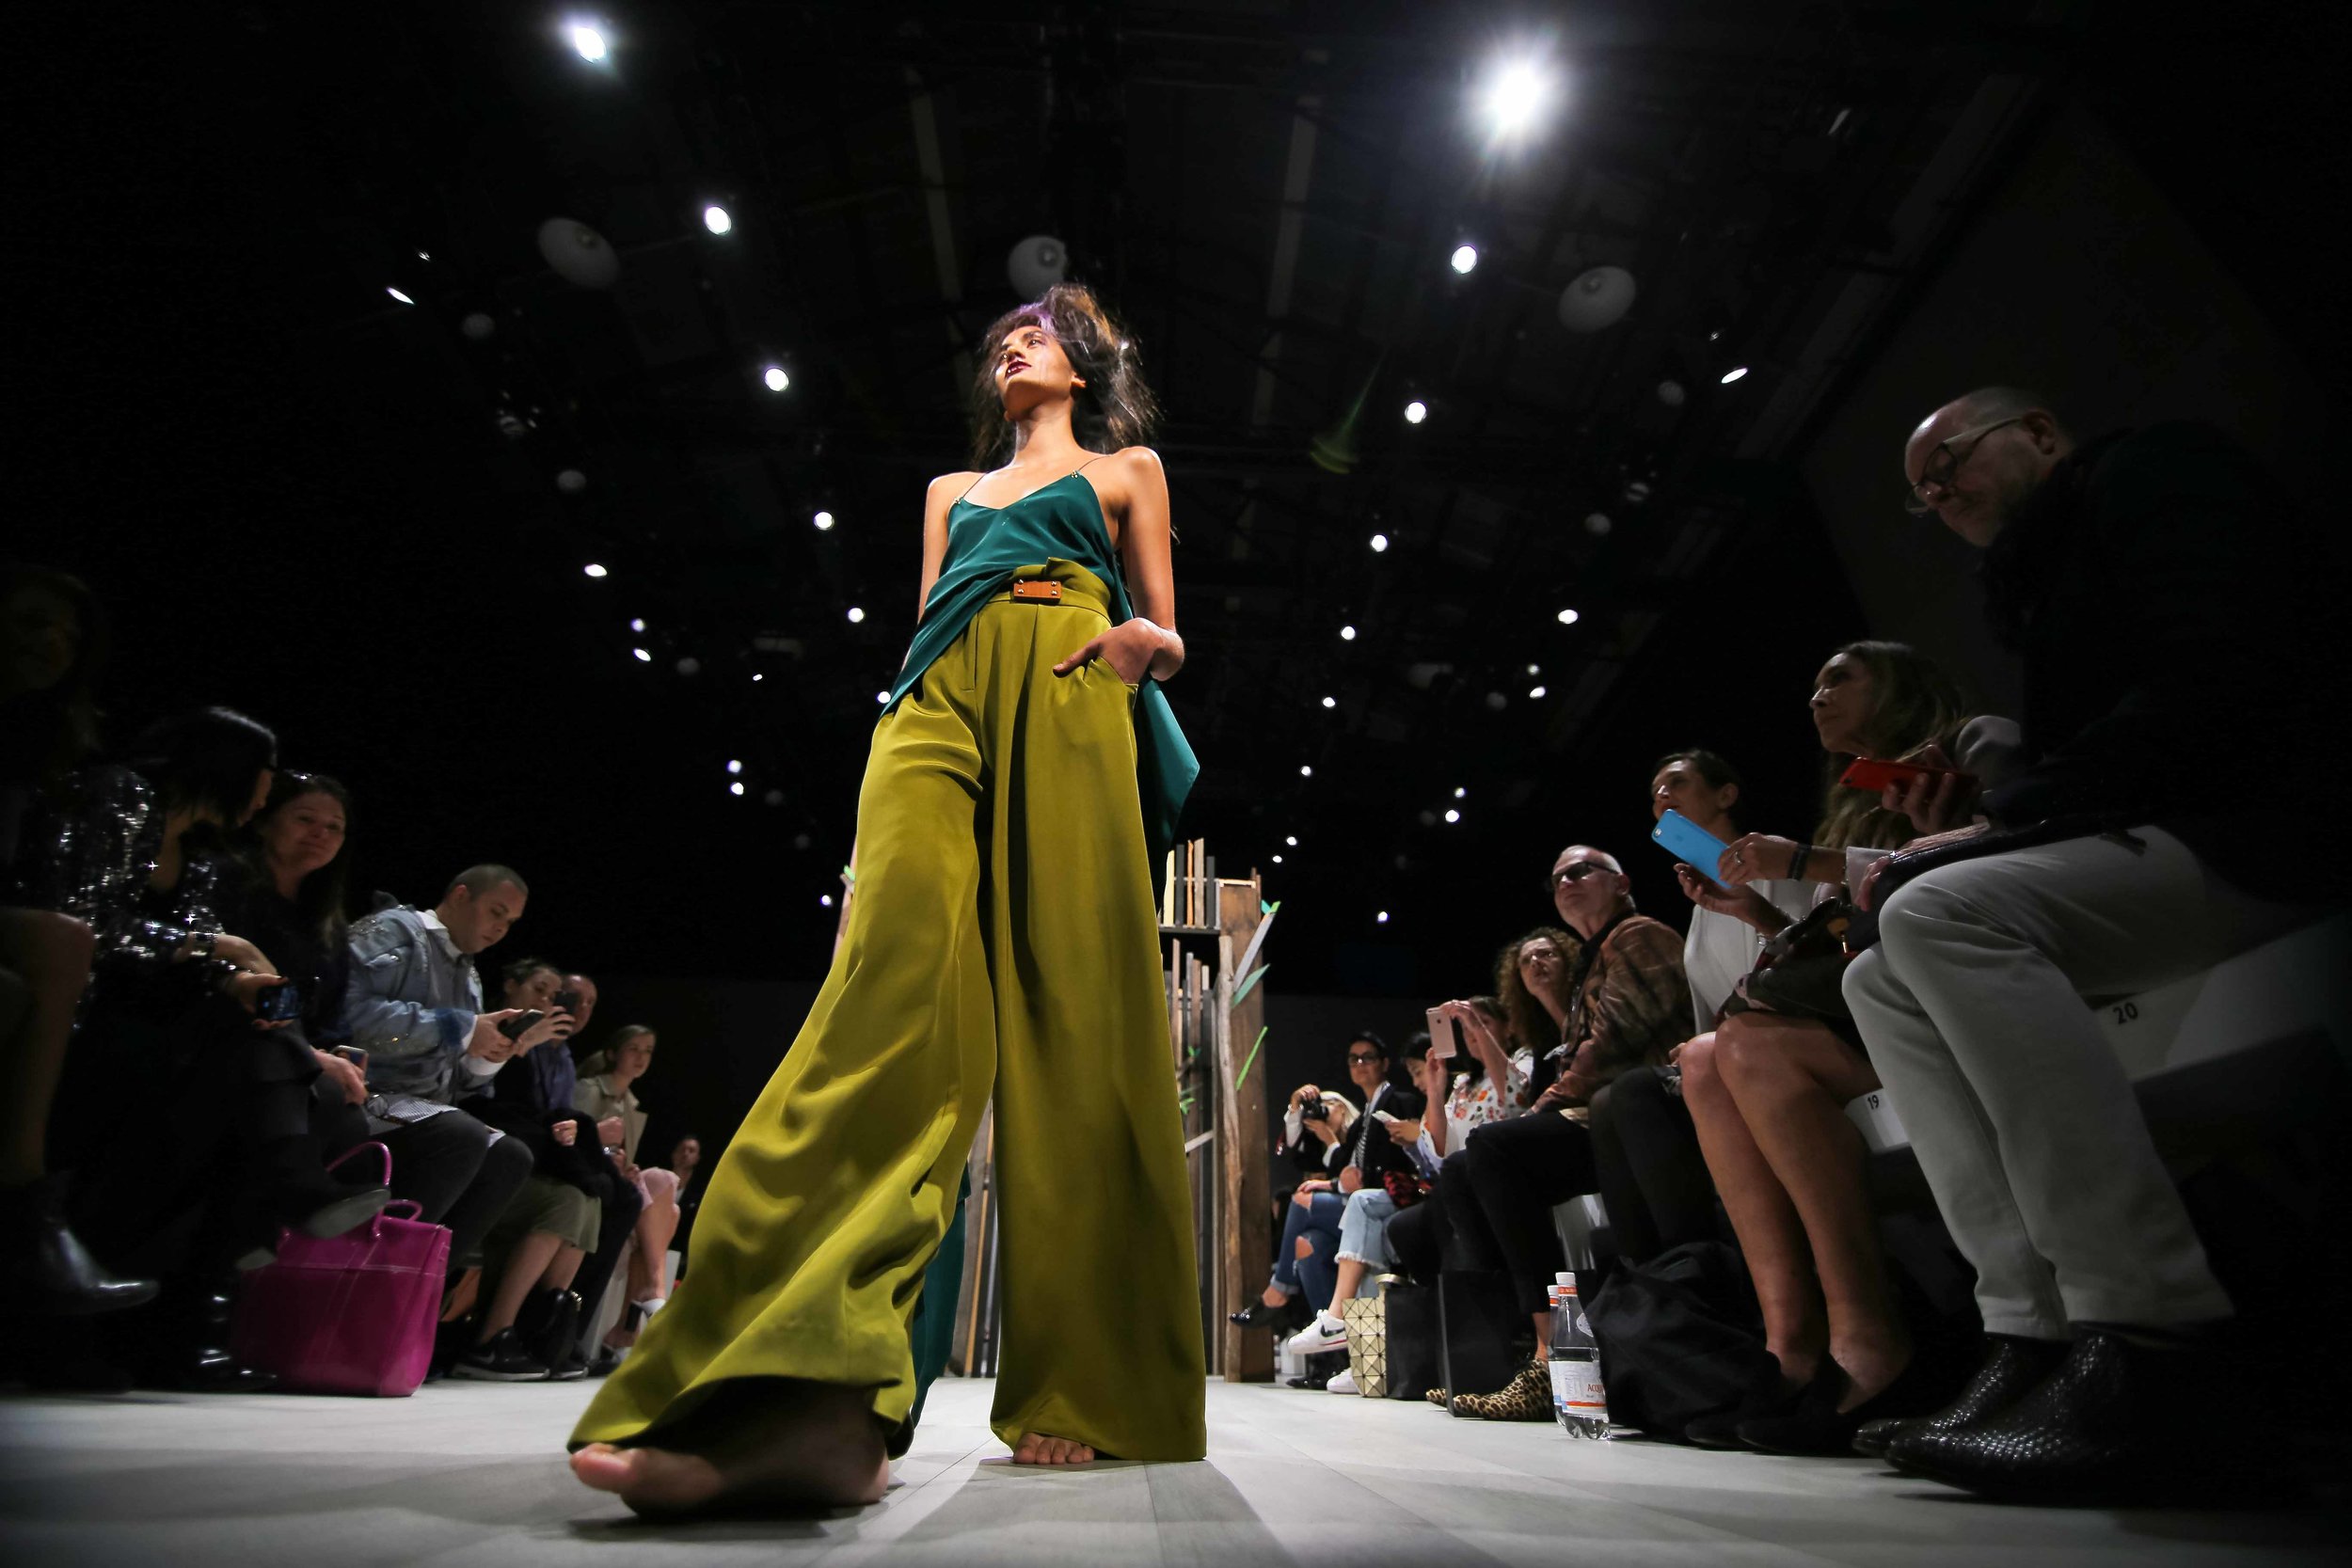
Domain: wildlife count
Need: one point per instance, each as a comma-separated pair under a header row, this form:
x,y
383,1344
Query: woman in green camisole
x,y
1024,778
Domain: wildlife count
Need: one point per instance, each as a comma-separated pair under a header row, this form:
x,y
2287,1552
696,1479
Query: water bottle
x,y
1576,1396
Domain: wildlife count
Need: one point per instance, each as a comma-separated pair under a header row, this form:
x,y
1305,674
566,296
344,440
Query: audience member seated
x,y
2175,617
186,1116
1769,1086
1627,1003
686,1159
414,1007
1319,1129
1646,1152
51,647
605,1093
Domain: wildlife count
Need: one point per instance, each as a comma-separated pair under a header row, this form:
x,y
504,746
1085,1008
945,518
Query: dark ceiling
x,y
342,512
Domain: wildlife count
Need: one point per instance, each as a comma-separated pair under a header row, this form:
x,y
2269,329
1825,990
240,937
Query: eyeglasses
x,y
1356,1059
1943,466
1576,873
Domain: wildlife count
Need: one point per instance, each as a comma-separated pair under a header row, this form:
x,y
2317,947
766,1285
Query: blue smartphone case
x,y
1686,841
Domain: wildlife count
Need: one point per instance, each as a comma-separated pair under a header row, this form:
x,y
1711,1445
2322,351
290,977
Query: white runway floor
x,y
473,1473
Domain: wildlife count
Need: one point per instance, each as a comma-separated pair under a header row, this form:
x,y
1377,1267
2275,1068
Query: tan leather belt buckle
x,y
1037,591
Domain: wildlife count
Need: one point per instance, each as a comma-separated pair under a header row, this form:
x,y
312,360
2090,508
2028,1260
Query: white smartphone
x,y
1382,1117
1445,1033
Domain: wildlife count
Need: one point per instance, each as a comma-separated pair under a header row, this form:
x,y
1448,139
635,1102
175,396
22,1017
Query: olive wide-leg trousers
x,y
1003,941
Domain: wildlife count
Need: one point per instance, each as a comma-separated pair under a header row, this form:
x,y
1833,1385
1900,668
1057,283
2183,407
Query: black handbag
x,y
1416,1340
1479,1328
1680,1338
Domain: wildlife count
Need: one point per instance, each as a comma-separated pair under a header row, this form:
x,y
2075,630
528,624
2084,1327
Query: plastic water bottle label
x,y
1561,1383
1576,1387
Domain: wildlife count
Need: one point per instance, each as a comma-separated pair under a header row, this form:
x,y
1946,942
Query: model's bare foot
x,y
787,1446
1037,1449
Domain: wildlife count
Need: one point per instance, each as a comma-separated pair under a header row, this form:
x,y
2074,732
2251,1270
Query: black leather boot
x,y
2106,1429
189,1351
547,1325
2013,1369
54,1275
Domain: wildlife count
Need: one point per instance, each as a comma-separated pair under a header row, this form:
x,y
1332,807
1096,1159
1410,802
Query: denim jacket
x,y
411,1005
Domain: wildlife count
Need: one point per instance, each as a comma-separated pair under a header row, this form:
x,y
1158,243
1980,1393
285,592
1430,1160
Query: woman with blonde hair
x,y
1003,946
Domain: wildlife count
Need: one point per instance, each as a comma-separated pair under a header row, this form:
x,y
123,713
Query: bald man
x,y
2171,615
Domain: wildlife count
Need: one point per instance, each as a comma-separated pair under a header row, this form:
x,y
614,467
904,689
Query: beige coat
x,y
597,1099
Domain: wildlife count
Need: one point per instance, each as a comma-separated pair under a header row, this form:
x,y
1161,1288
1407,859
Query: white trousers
x,y
2021,1116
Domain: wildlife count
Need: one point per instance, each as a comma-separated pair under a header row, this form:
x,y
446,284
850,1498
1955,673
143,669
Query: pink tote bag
x,y
351,1314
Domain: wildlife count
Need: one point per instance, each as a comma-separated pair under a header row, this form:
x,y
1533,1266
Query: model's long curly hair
x,y
1529,1024
1114,409
1912,701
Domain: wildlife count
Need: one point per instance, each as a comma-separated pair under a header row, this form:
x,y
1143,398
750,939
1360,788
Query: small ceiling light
x,y
756,677
826,899
1567,617
1514,96
1534,669
398,296
1331,702
1535,691
1382,917
1417,410
856,615
1380,543
637,625
1347,634
1459,792
425,256
642,657
1596,299
718,220
823,521
588,41
775,378
1278,860
1291,839
735,767
1465,258
1452,815
882,698
1734,373
735,788
593,570
1306,772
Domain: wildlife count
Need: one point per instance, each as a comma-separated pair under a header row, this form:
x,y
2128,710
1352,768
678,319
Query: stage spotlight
x,y
1291,839
637,625
1347,634
1535,691
1534,669
398,296
826,899
1278,860
775,378
856,615
593,570
718,220
1459,792
823,521
642,657
1514,96
757,677
1380,543
735,788
1382,917
735,767
1465,258
588,40
1417,410
1734,373
882,697
1452,815
1306,771
1567,617
1331,702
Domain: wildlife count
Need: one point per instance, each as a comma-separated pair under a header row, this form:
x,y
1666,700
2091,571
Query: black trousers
x,y
447,1167
1516,1171
1652,1177
612,1232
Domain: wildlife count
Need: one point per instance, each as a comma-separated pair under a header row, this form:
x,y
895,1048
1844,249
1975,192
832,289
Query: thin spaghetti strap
x,y
1090,462
969,488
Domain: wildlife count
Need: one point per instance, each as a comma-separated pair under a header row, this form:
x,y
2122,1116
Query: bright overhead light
x,y
717,219
1306,771
1534,669
1347,634
588,41
1567,617
1382,917
1278,860
826,899
1734,373
735,788
1417,410
398,296
593,570
1452,815
1465,258
1459,792
823,521
1535,691
735,767
856,615
1380,543
882,697
642,657
1291,839
757,677
775,378
1514,96
637,625
1331,702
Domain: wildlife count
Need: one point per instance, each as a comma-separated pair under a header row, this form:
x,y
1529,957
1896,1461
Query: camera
x,y
1315,1110
279,1004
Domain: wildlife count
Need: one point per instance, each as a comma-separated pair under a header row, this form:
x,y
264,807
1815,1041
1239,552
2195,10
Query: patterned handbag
x,y
1367,1319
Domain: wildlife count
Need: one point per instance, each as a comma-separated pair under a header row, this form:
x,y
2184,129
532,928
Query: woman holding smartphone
x,y
1004,945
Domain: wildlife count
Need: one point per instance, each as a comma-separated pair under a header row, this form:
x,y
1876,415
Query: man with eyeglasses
x,y
2171,613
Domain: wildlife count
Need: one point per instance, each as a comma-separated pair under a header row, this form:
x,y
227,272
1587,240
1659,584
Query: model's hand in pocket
x,y
1128,648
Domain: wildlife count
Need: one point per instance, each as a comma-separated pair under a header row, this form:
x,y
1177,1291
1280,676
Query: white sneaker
x,y
1325,1333
1345,1382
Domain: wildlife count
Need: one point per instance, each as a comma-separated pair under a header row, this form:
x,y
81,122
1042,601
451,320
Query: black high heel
x,y
1259,1315
60,1279
1817,1426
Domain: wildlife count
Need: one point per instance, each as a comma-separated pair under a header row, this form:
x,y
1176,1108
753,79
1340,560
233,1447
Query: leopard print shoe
x,y
1437,1397
1525,1398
